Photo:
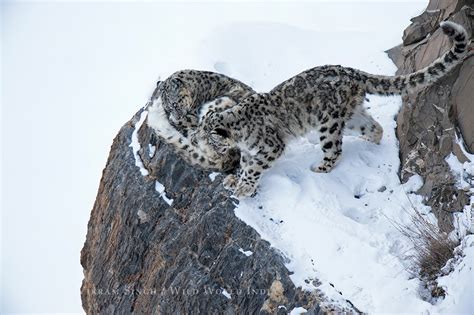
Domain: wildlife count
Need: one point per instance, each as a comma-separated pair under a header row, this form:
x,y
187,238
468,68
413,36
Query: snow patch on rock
x,y
135,144
213,176
246,252
161,190
226,294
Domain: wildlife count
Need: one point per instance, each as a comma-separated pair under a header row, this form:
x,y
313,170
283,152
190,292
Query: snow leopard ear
x,y
175,83
222,132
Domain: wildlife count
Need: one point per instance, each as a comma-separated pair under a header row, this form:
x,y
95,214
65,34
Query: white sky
x,y
72,75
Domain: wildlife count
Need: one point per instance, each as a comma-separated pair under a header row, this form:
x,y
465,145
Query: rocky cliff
x,y
433,119
180,250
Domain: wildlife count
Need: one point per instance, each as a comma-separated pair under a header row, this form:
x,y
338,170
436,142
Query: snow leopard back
x,y
326,99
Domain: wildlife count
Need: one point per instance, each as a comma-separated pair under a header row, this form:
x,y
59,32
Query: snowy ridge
x,y
135,144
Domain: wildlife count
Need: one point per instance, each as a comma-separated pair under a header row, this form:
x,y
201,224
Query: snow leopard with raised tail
x,y
181,100
327,99
184,93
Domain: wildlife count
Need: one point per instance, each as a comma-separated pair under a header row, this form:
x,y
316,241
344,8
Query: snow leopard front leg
x,y
218,105
252,167
231,181
193,154
187,122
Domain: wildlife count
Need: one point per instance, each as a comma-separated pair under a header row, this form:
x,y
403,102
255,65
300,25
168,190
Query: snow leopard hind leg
x,y
330,131
365,125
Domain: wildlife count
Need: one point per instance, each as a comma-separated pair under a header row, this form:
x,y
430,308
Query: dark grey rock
x,y
464,103
143,256
422,26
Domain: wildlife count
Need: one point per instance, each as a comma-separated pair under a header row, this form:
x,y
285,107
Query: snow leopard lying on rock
x,y
180,101
327,99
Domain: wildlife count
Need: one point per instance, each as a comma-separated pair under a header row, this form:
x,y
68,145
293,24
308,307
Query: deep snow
x,y
340,228
72,74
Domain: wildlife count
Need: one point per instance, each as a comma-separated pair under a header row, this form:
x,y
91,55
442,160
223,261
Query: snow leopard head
x,y
213,133
177,98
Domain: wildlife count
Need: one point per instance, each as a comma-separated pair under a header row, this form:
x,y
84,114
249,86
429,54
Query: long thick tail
x,y
388,85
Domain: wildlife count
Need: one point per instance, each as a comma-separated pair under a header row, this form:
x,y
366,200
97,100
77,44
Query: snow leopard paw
x,y
322,168
244,190
230,182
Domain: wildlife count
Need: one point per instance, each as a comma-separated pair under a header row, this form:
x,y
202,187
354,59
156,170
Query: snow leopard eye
x,y
221,132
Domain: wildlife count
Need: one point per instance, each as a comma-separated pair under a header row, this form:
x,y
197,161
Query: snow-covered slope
x,y
98,62
341,227
337,227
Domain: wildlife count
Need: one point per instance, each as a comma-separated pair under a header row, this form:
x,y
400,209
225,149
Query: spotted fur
x,y
224,160
182,100
326,99
184,92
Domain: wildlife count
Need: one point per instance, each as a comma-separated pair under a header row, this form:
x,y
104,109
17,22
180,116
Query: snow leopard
x,y
184,93
180,101
327,99
192,152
